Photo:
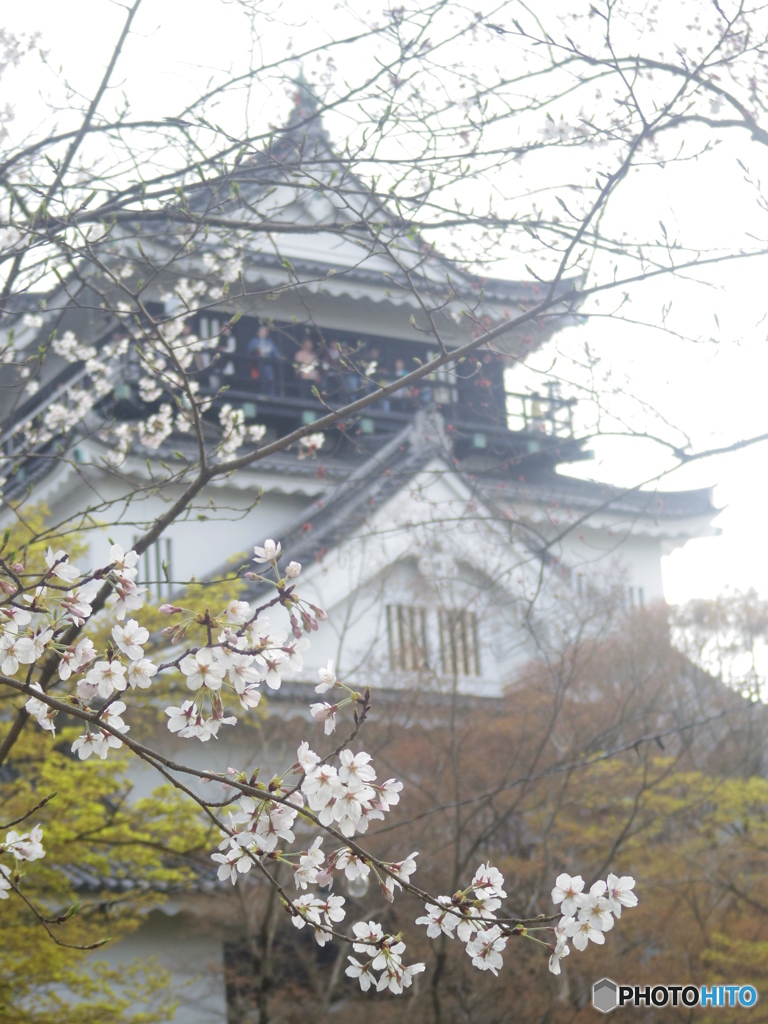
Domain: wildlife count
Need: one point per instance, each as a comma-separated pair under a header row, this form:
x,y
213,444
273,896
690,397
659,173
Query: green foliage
x,y
133,852
110,857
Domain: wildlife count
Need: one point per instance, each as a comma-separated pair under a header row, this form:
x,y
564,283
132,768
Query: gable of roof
x,y
354,507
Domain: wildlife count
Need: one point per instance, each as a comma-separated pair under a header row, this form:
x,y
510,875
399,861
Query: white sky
x,y
718,391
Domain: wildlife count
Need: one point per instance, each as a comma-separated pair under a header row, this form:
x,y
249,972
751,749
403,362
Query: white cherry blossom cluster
x,y
587,916
249,650
310,445
165,355
23,847
345,797
234,431
469,915
348,796
339,793
101,678
255,830
320,914
75,401
384,954
245,657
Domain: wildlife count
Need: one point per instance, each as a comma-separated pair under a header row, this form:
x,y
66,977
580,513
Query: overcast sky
x,y
716,389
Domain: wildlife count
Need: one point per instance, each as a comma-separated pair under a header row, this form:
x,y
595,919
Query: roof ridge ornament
x,y
306,107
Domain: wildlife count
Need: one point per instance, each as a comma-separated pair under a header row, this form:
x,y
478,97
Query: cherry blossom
x,y
327,678
270,552
348,808
567,891
105,677
235,861
325,713
596,908
352,865
368,935
309,865
124,563
276,664
100,742
439,920
620,893
15,650
306,759
293,570
356,769
308,908
561,949
20,616
208,728
140,673
582,931
249,697
59,564
485,949
488,883
129,639
321,785
75,659
183,719
388,794
77,603
310,445
42,712
362,972
203,669
238,611
26,846
127,598
401,872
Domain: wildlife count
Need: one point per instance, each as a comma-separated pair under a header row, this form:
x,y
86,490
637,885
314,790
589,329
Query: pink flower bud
x,y
250,575
7,588
169,609
17,567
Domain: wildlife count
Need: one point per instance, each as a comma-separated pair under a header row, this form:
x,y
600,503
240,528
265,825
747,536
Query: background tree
x,y
619,751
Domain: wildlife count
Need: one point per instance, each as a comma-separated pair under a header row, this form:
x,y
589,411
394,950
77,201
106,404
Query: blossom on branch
x,y
270,552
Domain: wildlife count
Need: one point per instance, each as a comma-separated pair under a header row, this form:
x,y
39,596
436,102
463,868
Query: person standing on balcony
x,y
223,364
264,357
306,366
332,365
401,400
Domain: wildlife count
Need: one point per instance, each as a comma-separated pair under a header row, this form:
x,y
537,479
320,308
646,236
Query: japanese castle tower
x,y
425,524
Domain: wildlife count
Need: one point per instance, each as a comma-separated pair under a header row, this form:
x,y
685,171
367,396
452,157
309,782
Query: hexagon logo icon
x,y
605,995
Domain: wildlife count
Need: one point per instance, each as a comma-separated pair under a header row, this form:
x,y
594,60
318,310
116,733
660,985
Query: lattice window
x,y
407,634
156,568
640,601
459,649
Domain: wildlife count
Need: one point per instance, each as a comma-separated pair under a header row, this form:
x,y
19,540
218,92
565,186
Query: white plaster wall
x,y
224,521
602,554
